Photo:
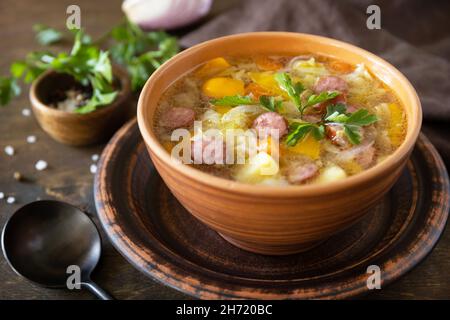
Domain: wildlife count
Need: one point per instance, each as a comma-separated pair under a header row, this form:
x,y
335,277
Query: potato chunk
x,y
262,166
331,173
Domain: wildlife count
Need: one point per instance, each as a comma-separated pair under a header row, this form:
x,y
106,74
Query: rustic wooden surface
x,y
68,177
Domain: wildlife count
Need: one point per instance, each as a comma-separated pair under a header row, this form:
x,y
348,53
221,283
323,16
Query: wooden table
x,y
68,177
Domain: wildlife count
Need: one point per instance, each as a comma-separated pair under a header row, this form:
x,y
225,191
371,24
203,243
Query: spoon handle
x,y
97,291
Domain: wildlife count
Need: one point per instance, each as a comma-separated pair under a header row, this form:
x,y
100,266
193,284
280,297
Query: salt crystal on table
x,y
26,112
94,157
41,165
2,195
93,168
11,200
31,139
9,150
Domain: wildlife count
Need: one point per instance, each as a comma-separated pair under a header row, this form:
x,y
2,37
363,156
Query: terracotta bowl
x,y
265,219
72,128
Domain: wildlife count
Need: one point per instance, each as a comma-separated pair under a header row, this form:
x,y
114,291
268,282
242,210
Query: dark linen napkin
x,y
414,37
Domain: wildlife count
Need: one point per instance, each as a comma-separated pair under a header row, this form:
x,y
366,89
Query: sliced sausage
x,y
366,158
302,173
322,107
331,83
335,132
352,108
312,118
177,117
268,121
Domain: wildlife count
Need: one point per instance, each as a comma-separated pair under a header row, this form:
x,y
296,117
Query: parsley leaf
x,y
18,68
335,110
352,133
270,103
232,101
298,130
141,52
352,122
98,99
336,113
8,90
293,90
102,66
361,118
46,35
318,98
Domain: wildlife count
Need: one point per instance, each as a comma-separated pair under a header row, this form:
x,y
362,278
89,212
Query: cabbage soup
x,y
316,119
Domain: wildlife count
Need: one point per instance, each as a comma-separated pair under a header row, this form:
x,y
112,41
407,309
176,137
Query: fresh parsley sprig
x,y
337,113
351,122
141,52
232,101
294,91
267,102
87,64
270,103
319,98
299,130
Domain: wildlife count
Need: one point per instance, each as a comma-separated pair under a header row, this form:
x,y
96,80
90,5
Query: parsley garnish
x,y
294,90
232,101
323,96
361,118
299,130
351,122
337,113
270,103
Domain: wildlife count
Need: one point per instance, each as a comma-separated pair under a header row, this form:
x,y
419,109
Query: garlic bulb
x,y
165,14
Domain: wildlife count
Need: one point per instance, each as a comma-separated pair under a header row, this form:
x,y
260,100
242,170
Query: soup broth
x,y
315,119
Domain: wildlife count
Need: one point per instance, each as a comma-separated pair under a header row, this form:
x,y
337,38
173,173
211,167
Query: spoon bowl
x,y
43,238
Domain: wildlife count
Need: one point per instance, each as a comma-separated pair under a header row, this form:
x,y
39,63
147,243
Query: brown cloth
x,y
414,37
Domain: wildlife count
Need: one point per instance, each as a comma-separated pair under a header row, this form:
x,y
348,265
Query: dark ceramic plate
x,y
159,237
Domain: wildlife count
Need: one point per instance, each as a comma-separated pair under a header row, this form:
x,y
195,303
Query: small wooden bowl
x,y
72,128
267,219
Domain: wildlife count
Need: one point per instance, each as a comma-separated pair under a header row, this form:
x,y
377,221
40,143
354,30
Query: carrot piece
x,y
266,80
212,67
341,67
220,87
308,146
256,90
267,64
